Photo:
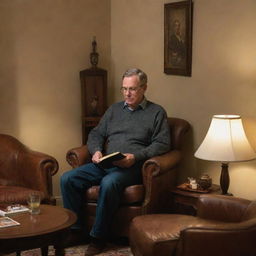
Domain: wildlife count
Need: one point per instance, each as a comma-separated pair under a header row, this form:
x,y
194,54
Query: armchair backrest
x,y
178,127
224,208
23,170
9,153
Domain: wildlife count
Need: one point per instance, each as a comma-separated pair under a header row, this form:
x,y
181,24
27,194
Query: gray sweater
x,y
143,132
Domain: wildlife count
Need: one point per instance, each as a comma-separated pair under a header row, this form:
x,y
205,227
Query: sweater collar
x,y
142,105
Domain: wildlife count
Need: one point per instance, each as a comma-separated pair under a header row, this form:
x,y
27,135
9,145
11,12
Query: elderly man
x,y
136,127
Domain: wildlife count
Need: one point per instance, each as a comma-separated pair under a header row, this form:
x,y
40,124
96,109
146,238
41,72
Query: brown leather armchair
x,y
150,197
23,171
224,226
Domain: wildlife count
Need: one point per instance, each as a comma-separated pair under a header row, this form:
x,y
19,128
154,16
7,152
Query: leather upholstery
x,y
23,171
224,226
150,197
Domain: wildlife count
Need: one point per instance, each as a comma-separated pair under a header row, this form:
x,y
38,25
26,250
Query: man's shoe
x,y
75,237
96,246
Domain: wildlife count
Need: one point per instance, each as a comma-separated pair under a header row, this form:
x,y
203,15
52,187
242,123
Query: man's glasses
x,y
131,89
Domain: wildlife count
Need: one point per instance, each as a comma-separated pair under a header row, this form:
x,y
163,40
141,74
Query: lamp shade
x,y
226,141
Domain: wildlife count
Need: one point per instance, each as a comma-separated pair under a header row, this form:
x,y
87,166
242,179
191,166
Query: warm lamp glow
x,y
225,142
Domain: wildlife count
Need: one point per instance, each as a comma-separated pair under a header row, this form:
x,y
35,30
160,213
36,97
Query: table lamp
x,y
225,142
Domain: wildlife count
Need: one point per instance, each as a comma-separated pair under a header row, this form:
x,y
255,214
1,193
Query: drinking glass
x,y
34,201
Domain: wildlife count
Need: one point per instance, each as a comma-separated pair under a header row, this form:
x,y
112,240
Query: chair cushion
x,y
132,194
15,194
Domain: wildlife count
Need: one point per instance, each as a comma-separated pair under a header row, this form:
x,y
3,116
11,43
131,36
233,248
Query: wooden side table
x,y
185,202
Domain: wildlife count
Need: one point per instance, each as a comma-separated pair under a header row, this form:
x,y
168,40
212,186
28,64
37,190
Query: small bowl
x,y
205,182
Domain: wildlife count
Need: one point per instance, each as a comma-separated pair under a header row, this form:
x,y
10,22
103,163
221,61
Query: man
x,y
136,127
177,46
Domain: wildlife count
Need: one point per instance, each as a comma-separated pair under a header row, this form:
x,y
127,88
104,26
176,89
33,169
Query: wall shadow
x,y
187,168
9,122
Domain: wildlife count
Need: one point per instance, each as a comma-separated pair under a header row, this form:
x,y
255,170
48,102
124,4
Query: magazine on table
x,y
7,222
13,209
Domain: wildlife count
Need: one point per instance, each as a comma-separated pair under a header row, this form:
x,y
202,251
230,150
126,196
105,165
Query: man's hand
x,y
96,157
126,162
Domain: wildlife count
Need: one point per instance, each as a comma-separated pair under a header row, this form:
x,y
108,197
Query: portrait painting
x,y
178,38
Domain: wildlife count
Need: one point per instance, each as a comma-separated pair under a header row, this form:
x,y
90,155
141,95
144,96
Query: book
x,y
106,161
7,222
13,209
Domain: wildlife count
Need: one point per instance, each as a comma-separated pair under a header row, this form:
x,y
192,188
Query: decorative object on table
x,y
187,187
178,38
225,142
94,56
93,93
204,182
192,183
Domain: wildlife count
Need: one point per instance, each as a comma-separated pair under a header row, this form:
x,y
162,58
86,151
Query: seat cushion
x,y
157,234
15,195
132,194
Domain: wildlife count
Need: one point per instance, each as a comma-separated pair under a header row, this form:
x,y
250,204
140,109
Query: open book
x,y
106,161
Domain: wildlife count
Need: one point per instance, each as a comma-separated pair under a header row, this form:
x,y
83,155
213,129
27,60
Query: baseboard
x,y
59,201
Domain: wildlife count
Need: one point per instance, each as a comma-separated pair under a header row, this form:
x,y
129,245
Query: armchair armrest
x,y
222,208
161,164
39,169
78,156
158,177
218,238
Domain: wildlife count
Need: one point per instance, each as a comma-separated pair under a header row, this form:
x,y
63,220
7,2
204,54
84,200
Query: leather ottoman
x,y
157,234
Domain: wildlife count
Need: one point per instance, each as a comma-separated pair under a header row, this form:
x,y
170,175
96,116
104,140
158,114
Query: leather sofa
x,y
159,175
23,171
224,226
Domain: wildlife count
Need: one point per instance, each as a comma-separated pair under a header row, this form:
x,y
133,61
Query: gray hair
x,y
135,71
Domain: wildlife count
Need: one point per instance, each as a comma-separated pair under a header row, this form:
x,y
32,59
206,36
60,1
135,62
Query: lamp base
x,y
224,179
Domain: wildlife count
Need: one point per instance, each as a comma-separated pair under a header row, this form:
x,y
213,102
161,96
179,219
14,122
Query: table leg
x,y
44,251
59,251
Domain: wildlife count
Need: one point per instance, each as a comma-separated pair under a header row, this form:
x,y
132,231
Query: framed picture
x,y
178,38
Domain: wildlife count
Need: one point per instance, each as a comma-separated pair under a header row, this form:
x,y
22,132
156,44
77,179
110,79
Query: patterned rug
x,y
111,250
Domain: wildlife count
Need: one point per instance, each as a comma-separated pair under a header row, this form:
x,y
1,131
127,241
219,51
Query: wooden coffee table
x,y
50,227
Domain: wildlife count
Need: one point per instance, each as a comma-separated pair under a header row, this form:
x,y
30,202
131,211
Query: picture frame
x,y
178,38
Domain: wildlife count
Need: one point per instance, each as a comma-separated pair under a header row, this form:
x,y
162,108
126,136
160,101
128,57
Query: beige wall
x,y
223,71
43,46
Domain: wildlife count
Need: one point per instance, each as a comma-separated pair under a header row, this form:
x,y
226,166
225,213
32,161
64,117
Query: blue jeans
x,y
112,182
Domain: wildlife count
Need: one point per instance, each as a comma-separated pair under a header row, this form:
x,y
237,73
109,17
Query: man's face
x,y
177,27
132,91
